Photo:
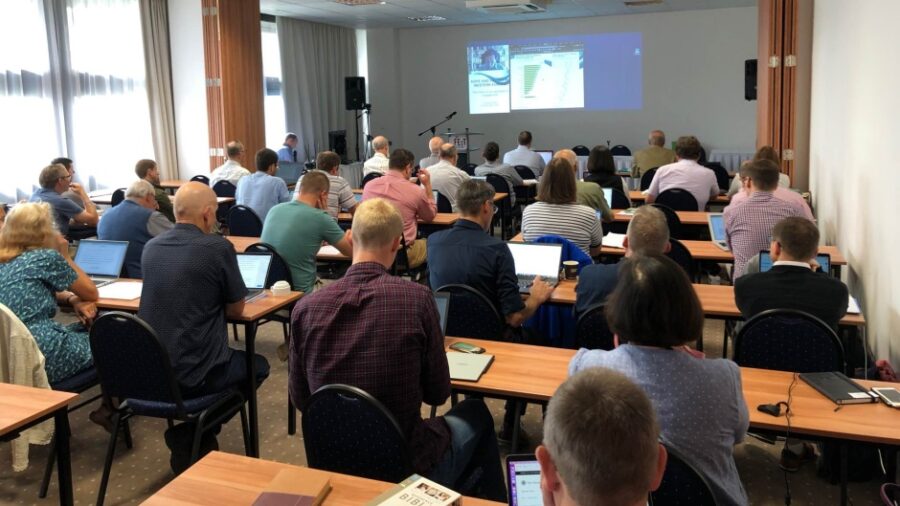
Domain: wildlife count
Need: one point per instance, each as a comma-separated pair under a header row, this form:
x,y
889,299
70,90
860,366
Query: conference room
x,y
166,185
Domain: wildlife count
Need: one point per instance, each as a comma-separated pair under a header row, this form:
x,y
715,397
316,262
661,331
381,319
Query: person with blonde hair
x,y
36,274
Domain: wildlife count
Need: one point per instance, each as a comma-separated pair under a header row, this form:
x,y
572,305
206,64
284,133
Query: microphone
x,y
294,155
451,115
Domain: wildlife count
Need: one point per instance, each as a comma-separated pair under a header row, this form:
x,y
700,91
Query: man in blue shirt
x,y
523,155
55,180
261,190
288,151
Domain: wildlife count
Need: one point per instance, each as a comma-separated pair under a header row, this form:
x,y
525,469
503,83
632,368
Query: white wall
x,y
693,82
855,117
189,87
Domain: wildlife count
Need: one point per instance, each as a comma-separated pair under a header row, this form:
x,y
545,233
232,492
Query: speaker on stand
x,y
355,96
750,67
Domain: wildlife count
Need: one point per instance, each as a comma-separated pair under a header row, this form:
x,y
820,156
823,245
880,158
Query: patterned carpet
x,y
139,472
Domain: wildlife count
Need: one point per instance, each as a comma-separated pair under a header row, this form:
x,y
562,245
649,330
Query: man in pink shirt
x,y
685,174
412,201
780,193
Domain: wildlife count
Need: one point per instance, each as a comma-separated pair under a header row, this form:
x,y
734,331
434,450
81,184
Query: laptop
x,y
101,260
535,260
765,261
290,171
607,194
358,197
546,154
717,230
524,480
254,269
443,305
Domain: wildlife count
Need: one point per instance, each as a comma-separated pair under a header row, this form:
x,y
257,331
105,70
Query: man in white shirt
x,y
685,174
231,170
434,146
523,155
446,177
379,161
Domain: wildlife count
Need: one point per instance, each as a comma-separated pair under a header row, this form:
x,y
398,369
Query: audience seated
x,y
149,171
601,168
685,174
587,194
413,202
601,443
648,234
191,323
434,152
288,150
763,153
232,170
523,155
654,155
748,226
379,161
340,195
55,180
446,176
70,166
791,283
491,165
135,220
36,274
261,190
654,312
557,213
391,346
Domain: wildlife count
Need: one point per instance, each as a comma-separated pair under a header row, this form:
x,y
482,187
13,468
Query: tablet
x,y
524,480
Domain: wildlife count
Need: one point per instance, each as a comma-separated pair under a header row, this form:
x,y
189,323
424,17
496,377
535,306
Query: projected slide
x,y
596,72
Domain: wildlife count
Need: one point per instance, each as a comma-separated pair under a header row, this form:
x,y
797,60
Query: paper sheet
x,y
329,250
613,240
853,306
123,290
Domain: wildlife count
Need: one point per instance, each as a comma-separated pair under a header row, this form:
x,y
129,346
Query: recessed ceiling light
x,y
427,18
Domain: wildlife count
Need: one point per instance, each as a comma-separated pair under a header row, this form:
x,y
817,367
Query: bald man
x,y
446,177
587,193
191,286
379,161
654,155
434,147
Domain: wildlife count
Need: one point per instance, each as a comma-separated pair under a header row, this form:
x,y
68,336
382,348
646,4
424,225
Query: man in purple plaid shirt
x,y
382,334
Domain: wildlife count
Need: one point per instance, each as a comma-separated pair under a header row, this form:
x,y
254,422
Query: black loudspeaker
x,y
749,79
337,142
355,92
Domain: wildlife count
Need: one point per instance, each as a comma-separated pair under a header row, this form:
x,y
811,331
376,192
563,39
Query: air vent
x,y
508,6
642,3
426,19
356,3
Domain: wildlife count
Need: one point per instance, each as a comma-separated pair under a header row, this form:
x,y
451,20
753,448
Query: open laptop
x,y
524,480
546,154
535,260
290,171
443,305
717,230
765,261
101,260
607,194
254,269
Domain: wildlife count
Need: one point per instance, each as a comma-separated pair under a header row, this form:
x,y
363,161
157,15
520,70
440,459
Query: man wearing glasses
x,y
55,180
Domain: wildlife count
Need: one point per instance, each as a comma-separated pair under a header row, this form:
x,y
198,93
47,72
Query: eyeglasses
x,y
495,209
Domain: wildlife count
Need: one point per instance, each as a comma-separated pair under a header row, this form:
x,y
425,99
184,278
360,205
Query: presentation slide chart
x,y
547,76
489,78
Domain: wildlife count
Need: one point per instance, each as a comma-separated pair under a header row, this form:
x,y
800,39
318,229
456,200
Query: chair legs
x,y
48,472
292,417
245,430
110,453
234,328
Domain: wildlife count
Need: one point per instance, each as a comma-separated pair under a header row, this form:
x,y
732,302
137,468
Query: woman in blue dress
x,y
36,274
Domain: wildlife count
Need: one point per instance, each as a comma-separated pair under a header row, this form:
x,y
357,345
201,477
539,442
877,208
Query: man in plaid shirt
x,y
748,225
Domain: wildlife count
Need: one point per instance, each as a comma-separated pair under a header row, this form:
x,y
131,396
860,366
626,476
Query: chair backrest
x,y
525,172
443,204
788,340
224,188
679,253
117,197
672,220
244,222
647,178
200,178
500,185
370,176
682,484
592,330
619,200
581,150
722,179
279,270
472,314
131,361
470,168
678,200
346,430
620,150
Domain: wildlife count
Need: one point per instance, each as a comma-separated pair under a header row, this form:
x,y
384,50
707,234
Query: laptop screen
x,y
717,227
101,258
765,261
536,259
289,171
254,269
607,194
443,304
546,154
524,477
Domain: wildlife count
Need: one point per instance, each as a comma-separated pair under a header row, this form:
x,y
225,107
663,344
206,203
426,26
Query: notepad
x,y
293,487
838,387
529,182
468,366
329,250
613,240
121,290
853,306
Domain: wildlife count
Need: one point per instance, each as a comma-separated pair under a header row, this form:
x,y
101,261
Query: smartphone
x,y
466,347
890,396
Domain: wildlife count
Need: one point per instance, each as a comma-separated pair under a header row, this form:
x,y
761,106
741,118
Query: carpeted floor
x,y
139,472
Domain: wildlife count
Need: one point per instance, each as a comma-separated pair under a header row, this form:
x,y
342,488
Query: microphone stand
x,y
433,128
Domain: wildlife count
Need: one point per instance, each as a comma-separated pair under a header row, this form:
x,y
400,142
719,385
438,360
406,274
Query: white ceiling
x,y
396,13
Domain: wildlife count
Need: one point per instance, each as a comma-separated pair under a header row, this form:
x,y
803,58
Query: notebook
x,y
535,260
524,480
468,366
101,260
765,261
614,240
296,487
717,230
443,305
254,269
838,387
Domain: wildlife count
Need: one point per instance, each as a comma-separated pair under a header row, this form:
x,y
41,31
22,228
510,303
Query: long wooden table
x,y
24,407
106,199
637,196
688,218
440,220
241,244
226,479
253,312
173,184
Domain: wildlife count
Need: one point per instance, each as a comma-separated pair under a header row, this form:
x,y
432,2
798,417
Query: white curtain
x,y
155,23
315,59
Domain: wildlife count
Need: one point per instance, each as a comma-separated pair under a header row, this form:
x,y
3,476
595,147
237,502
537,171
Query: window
x,y
274,102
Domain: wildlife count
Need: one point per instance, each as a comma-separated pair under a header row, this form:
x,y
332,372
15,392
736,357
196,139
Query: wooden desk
x,y
250,316
105,199
440,220
24,407
173,184
637,196
241,244
497,196
688,218
226,479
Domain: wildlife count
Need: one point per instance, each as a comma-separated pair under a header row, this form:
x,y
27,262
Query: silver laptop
x,y
254,269
607,194
717,230
443,306
546,154
101,260
533,260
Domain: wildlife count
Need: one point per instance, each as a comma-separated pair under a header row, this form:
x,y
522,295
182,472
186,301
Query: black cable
x,y
787,437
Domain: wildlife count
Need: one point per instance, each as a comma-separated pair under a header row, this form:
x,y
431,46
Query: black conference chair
x,y
443,204
682,484
581,150
679,253
647,178
346,430
472,314
401,265
722,179
134,367
525,172
788,340
672,220
117,197
678,200
592,330
508,213
201,179
370,176
620,150
619,201
224,189
244,222
470,168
